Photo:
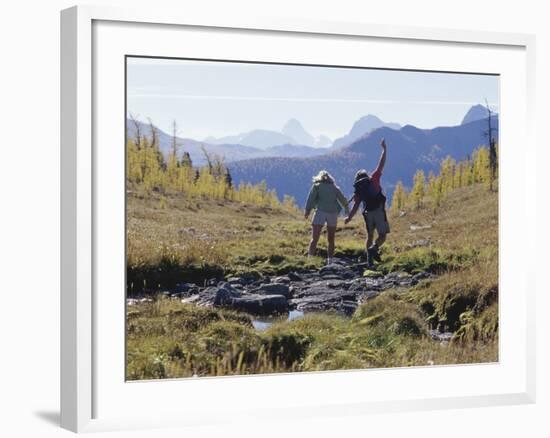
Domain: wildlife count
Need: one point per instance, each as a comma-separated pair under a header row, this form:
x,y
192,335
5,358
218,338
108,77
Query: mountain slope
x,y
258,138
409,149
322,141
229,151
292,133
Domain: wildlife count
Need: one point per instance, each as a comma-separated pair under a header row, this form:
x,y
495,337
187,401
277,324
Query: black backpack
x,y
370,202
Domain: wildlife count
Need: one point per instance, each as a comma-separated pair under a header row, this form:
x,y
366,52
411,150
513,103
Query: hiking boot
x,y
368,260
374,254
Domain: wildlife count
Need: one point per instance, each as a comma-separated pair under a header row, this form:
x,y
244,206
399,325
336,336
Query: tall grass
x,y
167,339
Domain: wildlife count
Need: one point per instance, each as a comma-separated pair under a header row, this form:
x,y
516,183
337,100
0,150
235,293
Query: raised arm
x,y
382,160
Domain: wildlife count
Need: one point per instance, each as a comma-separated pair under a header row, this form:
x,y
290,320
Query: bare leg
x,y
370,238
331,233
315,234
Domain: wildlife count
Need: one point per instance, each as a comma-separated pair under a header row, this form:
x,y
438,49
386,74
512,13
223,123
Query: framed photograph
x,y
332,211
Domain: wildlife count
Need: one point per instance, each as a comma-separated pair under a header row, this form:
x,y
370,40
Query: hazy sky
x,y
221,98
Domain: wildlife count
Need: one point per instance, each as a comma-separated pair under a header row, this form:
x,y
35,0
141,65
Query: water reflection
x,y
265,322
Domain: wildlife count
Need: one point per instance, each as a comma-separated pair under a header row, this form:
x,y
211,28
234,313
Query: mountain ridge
x,y
229,151
409,149
361,127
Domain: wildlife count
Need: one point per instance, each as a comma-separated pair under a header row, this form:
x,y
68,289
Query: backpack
x,y
370,202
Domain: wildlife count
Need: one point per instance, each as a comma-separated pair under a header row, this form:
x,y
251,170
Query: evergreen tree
x,y
208,160
438,192
154,134
399,198
418,190
493,156
186,160
137,129
491,130
228,179
481,166
446,172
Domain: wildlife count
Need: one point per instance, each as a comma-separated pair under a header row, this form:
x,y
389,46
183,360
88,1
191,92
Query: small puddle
x,y
265,322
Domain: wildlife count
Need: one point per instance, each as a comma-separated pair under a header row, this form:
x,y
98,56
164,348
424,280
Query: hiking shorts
x,y
320,217
376,220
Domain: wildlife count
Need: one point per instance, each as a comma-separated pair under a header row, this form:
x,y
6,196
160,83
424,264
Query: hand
x,y
306,214
347,219
383,143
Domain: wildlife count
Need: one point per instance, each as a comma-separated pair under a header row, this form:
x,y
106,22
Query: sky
x,y
212,98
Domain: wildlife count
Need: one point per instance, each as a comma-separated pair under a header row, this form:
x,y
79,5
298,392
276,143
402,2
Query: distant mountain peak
x,y
294,129
363,126
291,124
477,112
371,117
410,149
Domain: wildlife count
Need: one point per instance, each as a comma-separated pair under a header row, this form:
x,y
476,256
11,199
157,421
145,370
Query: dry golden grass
x,y
168,339
172,233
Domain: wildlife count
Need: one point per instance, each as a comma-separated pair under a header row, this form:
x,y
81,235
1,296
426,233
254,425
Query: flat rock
x,y
420,227
260,304
323,303
184,290
336,271
339,287
376,284
225,295
321,297
421,275
293,276
235,280
281,280
330,283
343,261
272,289
220,295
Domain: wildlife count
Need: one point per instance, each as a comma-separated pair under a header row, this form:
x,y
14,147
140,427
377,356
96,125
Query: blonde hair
x,y
323,176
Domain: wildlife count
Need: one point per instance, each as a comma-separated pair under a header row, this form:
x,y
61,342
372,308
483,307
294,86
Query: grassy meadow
x,y
176,237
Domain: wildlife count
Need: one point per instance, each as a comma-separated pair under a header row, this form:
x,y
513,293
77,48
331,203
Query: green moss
x,y
372,274
428,260
455,300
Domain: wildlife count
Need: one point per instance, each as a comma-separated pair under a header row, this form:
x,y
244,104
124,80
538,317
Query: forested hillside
x,y
409,149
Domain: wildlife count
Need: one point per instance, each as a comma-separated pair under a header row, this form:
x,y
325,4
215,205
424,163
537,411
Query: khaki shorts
x,y
320,217
377,220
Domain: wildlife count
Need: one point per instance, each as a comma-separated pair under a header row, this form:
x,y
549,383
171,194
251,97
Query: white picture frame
x,y
83,182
